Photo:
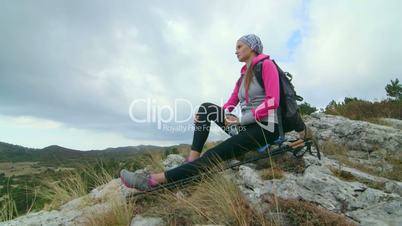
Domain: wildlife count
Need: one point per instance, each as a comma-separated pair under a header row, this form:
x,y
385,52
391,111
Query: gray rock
x,y
320,186
138,220
172,161
383,213
393,187
357,135
249,182
51,218
75,211
249,177
356,200
395,123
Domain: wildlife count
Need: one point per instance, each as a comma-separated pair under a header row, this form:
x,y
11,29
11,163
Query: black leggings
x,y
249,138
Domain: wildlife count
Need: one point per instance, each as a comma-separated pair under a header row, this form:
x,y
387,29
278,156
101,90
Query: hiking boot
x,y
137,180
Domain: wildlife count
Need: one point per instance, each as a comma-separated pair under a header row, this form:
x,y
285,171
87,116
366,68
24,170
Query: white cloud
x,y
79,72
33,122
350,48
207,51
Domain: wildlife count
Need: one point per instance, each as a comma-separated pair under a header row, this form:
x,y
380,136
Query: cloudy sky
x,y
76,73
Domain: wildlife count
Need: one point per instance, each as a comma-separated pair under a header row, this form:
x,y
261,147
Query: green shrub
x,y
306,109
357,109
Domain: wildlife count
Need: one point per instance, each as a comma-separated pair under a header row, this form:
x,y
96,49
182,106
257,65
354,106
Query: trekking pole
x,y
195,177
296,148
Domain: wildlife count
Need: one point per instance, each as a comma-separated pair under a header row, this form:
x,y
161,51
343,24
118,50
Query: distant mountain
x,y
17,153
8,152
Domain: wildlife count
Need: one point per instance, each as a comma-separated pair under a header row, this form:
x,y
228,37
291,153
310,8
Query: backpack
x,y
288,111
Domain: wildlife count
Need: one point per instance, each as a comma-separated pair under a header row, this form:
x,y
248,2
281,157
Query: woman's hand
x,y
231,119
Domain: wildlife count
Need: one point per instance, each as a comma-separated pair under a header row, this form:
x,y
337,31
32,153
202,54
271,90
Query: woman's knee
x,y
207,106
203,109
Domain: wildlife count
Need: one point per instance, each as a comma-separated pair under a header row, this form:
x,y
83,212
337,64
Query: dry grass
x,y
344,175
213,200
271,173
297,212
8,206
396,162
99,178
217,200
347,176
8,209
154,162
73,184
333,149
340,153
285,163
119,214
150,160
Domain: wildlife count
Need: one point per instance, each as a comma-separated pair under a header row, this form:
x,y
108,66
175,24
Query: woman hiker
x,y
256,104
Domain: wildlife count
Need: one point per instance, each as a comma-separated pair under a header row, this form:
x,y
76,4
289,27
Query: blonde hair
x,y
249,76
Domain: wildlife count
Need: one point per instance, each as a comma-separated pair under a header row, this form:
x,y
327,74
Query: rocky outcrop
x,y
395,123
139,220
173,161
319,183
356,135
99,201
378,148
76,212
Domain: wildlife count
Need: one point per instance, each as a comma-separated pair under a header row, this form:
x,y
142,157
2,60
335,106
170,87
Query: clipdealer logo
x,y
162,115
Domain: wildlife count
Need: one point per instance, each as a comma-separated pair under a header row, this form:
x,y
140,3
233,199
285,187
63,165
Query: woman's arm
x,y
270,77
234,98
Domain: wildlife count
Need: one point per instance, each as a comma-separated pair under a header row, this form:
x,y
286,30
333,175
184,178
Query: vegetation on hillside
x,y
359,109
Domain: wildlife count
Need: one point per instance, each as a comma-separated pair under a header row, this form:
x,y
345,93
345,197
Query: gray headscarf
x,y
253,41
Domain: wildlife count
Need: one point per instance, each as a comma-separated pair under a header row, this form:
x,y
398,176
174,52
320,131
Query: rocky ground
x,y
358,177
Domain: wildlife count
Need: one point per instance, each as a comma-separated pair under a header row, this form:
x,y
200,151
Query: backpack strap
x,y
257,70
258,74
281,138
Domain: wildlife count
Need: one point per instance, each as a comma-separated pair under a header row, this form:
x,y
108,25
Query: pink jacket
x,y
270,78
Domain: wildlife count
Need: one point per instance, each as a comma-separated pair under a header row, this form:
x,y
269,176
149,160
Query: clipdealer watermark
x,y
167,117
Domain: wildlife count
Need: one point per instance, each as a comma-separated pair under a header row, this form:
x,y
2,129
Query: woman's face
x,y
243,52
